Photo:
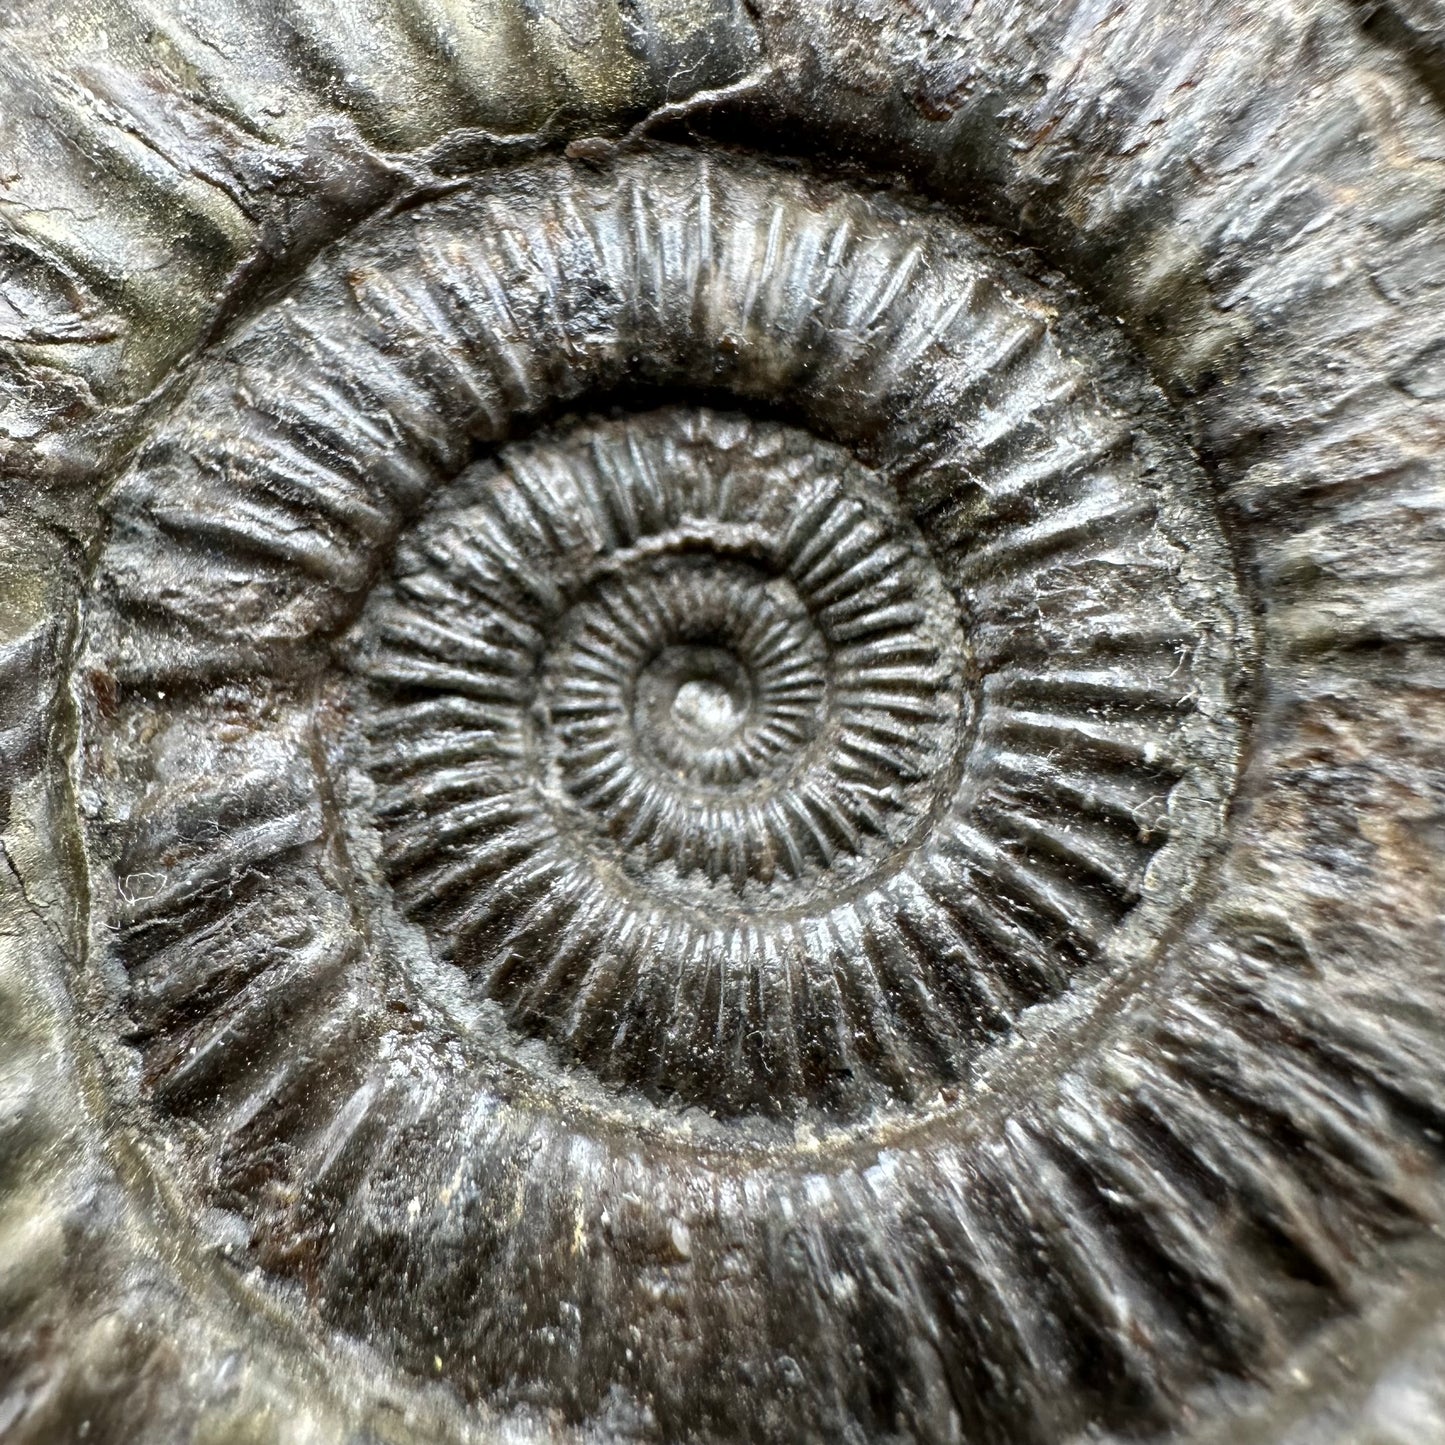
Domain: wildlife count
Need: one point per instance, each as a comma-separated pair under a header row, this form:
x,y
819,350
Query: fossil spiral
x,y
706,787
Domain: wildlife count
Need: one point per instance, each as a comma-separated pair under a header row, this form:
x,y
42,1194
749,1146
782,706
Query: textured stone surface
x,y
721,725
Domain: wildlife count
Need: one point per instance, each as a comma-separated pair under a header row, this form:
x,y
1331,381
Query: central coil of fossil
x,y
684,694
633,660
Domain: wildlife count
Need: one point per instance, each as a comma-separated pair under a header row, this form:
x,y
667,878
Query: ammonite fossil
x,y
722,725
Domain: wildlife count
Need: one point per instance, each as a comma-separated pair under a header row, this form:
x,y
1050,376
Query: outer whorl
x,y
715,797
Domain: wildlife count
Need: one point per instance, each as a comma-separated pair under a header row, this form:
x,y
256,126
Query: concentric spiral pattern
x,y
671,723
669,680
488,953
687,687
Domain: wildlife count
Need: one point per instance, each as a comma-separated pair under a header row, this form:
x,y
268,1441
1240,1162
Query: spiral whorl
x,y
701,681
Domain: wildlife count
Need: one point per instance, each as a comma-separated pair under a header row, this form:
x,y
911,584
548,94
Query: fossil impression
x,y
722,725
